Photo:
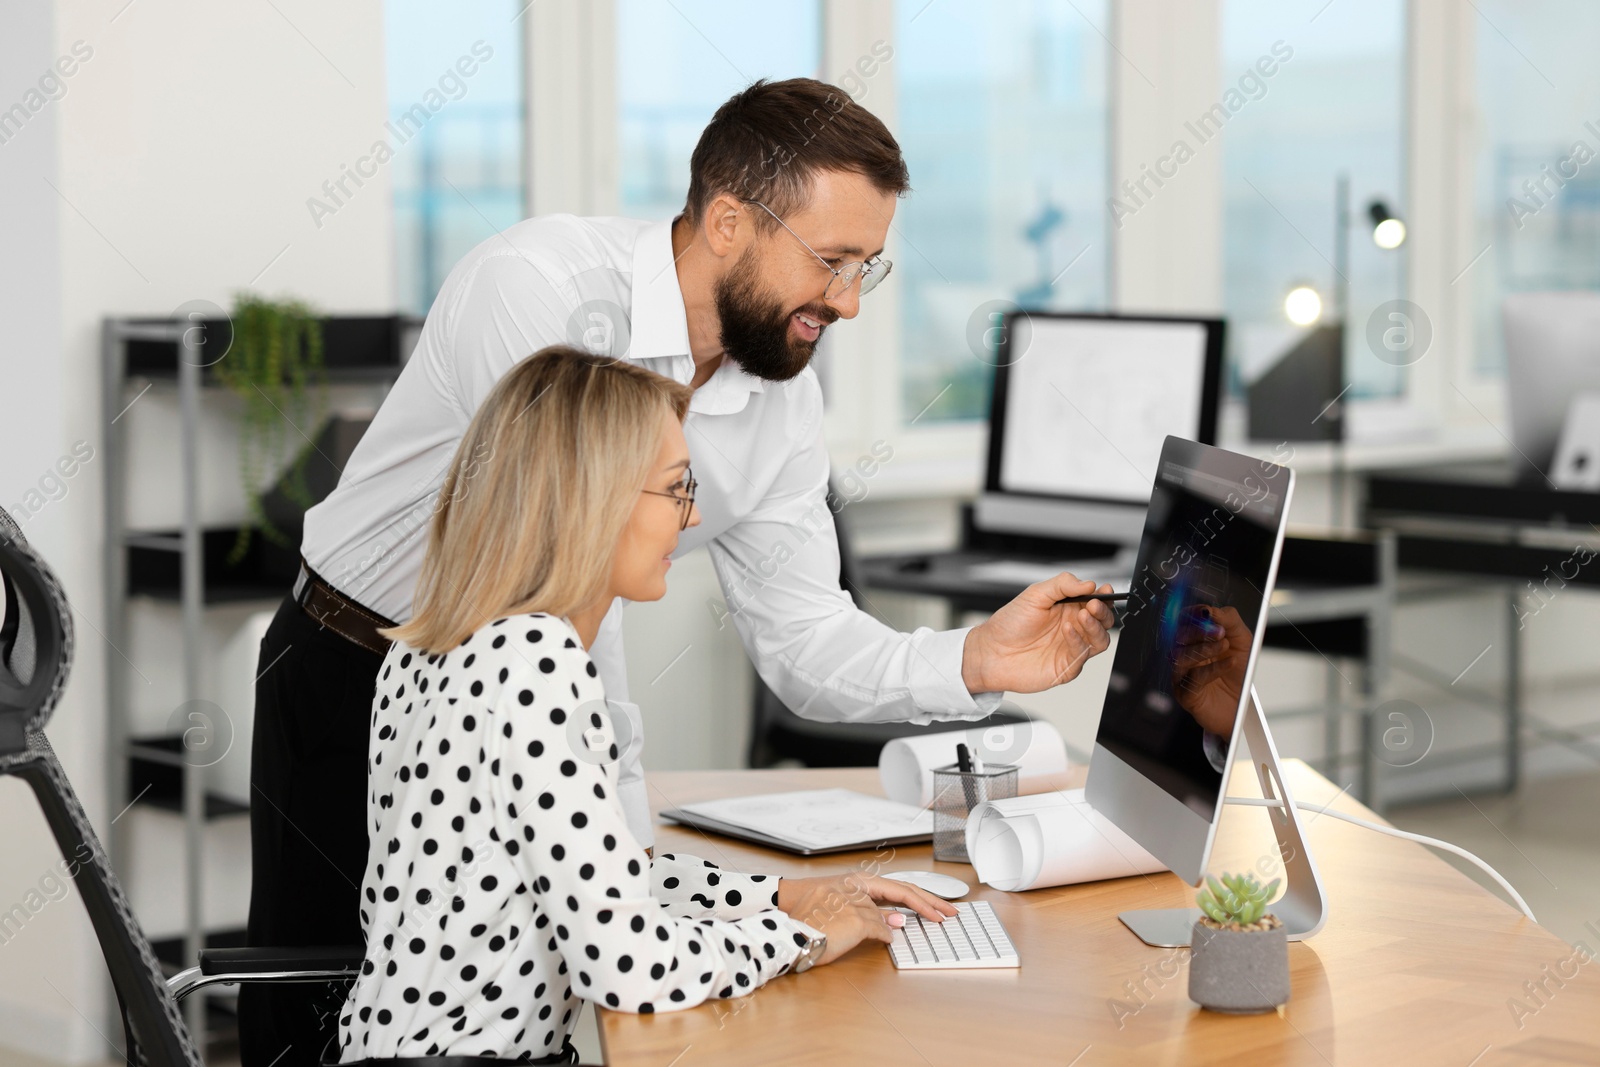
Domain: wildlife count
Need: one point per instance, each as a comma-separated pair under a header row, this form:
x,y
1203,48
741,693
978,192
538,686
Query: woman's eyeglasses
x,y
682,493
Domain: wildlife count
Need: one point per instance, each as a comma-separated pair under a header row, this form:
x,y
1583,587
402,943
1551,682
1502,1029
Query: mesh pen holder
x,y
955,794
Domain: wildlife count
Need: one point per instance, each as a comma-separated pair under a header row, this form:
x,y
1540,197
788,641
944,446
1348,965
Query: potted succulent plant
x,y
1239,951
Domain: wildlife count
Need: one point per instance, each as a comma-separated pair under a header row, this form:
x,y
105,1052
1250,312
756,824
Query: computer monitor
x,y
1191,632
1080,407
1552,355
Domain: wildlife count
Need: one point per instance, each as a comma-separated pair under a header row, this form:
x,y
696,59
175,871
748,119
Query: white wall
x,y
1167,254
184,150
53,947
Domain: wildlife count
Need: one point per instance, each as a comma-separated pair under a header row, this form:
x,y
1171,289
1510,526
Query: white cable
x,y
1323,809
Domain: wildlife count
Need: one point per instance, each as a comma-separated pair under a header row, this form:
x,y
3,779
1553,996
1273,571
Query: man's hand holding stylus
x,y
1033,643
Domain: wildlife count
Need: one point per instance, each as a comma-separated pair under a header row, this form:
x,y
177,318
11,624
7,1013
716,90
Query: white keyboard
x,y
974,938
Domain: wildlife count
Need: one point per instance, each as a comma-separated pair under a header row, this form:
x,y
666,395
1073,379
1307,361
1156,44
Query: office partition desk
x,y
1418,965
1487,524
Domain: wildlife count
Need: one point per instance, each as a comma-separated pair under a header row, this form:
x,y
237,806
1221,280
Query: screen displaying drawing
x,y
1090,401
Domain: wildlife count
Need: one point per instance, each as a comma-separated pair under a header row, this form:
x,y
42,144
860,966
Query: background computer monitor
x,y
1207,561
1552,355
1080,407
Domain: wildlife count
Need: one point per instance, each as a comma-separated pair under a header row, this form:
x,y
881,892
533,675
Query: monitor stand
x,y
1302,908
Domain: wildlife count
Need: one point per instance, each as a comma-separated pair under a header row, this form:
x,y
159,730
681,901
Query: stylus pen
x,y
1109,598
968,785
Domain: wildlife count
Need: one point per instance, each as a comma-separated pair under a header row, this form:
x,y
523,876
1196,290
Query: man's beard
x,y
755,328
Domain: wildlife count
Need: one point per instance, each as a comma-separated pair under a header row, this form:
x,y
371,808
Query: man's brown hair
x,y
769,140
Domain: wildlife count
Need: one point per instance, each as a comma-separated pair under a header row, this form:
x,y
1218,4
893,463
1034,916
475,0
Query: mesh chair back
x,y
35,659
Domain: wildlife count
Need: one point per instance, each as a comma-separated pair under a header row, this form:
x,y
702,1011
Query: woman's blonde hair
x,y
541,487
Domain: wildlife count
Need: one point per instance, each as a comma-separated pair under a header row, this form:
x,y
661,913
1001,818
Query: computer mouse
x,y
940,885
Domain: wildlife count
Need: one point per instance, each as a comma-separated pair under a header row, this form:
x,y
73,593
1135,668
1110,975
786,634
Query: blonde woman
x,y
502,882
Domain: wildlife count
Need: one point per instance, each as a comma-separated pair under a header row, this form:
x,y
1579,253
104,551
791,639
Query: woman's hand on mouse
x,y
845,907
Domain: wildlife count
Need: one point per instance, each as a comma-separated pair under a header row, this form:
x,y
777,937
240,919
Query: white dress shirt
x,y
609,285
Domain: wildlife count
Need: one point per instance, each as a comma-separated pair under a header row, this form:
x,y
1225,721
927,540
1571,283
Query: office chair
x,y
36,645
776,733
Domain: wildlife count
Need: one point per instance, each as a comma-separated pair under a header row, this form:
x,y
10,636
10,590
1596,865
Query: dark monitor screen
x,y
1180,672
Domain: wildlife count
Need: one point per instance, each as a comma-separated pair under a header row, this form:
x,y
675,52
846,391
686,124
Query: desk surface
x,y
1482,520
1417,965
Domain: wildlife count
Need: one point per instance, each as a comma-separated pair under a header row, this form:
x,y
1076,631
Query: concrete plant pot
x,y
1238,972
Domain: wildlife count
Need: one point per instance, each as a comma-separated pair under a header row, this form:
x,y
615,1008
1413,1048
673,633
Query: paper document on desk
x,y
811,820
1051,839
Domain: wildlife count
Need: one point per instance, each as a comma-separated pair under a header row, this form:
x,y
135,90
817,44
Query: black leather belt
x,y
327,606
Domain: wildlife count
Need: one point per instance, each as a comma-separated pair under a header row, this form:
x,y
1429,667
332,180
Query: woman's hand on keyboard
x,y
845,907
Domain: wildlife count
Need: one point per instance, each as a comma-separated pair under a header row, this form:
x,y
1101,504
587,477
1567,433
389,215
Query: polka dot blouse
x,y
502,883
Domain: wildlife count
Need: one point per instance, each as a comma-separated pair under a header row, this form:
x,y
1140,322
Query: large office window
x,y
677,60
1334,103
1538,179
455,91
1002,114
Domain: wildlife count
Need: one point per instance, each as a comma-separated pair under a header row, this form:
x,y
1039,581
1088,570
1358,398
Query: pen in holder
x,y
955,793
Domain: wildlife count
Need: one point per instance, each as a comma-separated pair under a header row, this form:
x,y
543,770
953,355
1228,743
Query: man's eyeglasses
x,y
682,493
871,272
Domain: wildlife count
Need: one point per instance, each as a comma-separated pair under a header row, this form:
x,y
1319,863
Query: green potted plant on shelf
x,y
1238,951
275,365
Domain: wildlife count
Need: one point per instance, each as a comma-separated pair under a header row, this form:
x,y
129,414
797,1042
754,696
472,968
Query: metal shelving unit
x,y
185,566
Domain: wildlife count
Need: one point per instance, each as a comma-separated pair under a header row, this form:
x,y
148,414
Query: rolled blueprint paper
x,y
906,764
1051,839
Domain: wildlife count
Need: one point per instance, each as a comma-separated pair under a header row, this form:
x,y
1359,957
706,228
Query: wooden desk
x,y
1417,966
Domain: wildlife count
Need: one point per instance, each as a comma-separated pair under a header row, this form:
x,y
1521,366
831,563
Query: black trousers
x,y
308,836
